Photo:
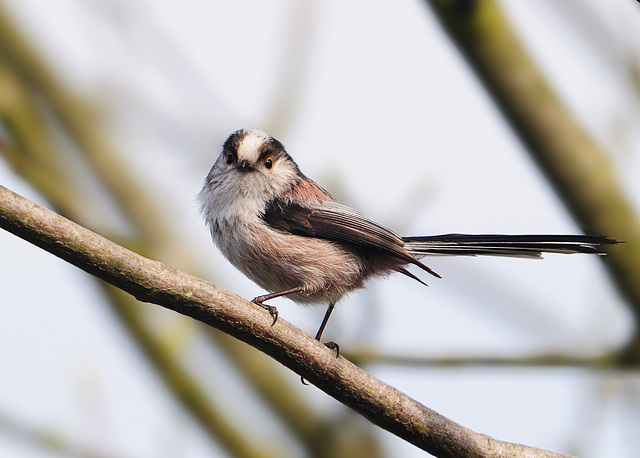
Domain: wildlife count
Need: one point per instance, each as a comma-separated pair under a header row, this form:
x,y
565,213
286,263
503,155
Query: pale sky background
x,y
386,115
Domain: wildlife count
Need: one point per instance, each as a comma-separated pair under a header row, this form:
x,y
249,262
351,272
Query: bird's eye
x,y
229,158
268,162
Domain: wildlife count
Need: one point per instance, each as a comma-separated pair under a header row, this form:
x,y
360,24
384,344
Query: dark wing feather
x,y
331,220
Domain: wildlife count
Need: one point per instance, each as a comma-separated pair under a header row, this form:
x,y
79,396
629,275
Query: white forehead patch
x,y
250,144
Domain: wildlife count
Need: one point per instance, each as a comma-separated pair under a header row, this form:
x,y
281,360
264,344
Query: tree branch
x,y
152,281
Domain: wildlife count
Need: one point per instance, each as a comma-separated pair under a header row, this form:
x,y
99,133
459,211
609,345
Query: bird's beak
x,y
244,166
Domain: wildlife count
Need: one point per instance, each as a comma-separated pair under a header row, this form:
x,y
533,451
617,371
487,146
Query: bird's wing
x,y
331,220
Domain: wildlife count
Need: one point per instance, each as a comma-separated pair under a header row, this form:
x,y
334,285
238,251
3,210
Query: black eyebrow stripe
x,y
266,153
233,142
271,148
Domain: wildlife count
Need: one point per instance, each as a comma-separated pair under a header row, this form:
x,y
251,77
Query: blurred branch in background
x,y
50,441
589,24
33,105
364,357
80,123
289,92
575,165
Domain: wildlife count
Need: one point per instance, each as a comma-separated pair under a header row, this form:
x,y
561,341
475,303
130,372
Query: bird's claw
x,y
331,345
273,311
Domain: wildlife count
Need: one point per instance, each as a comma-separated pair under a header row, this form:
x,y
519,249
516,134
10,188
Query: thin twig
x,y
366,356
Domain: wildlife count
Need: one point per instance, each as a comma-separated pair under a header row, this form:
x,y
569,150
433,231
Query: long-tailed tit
x,y
287,234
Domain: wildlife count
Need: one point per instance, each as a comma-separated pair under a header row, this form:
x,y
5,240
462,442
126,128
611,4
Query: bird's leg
x,y
273,311
332,345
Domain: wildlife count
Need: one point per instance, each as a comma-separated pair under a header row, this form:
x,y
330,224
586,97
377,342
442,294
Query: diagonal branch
x,y
152,281
573,162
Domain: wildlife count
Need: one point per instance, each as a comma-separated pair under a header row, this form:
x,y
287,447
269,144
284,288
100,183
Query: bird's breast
x,y
277,260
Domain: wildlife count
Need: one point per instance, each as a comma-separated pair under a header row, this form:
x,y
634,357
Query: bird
x,y
291,237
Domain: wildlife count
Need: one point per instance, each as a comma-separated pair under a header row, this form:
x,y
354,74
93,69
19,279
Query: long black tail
x,y
528,246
